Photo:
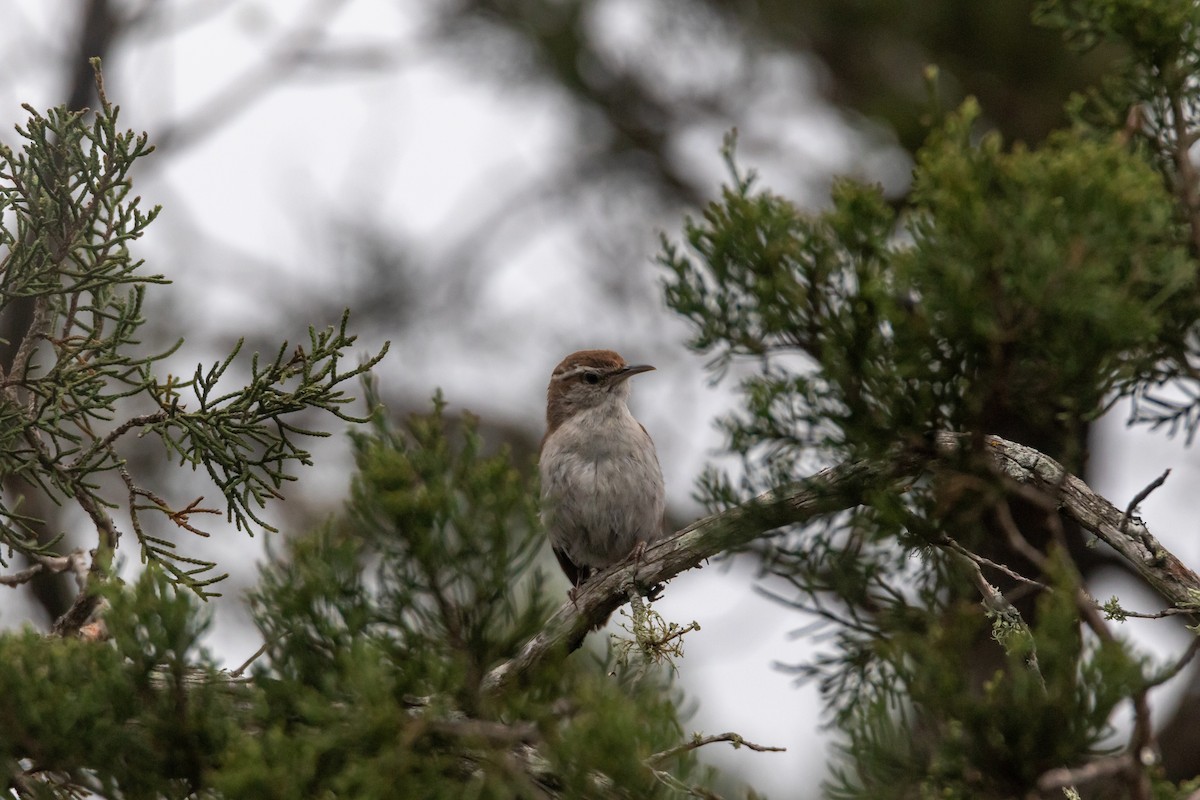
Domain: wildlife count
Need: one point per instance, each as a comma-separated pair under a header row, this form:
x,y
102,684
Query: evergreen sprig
x,y
381,627
74,379
1153,99
1019,286
143,716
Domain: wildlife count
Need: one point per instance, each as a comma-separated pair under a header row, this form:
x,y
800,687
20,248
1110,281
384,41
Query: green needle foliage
x,y
141,717
76,381
1037,284
1030,287
1057,274
381,628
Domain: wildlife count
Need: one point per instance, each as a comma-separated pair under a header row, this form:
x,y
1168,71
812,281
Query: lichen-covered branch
x,y
832,490
1129,536
828,491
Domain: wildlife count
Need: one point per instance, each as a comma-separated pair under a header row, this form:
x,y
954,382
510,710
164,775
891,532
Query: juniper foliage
x,y
1058,279
380,626
1054,281
79,382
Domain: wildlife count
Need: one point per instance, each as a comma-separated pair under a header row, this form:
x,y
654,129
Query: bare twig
x,y
1005,616
669,780
486,730
1063,777
37,331
1188,187
1142,495
1166,612
987,562
982,561
280,57
1140,750
116,433
1017,541
1173,670
23,576
698,741
237,673
76,561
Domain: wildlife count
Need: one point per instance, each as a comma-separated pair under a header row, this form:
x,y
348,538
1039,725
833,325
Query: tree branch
x,y
1143,494
698,741
1060,778
837,489
828,491
1173,581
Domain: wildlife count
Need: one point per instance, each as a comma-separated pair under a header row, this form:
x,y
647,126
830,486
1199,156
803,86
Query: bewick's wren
x,y
602,487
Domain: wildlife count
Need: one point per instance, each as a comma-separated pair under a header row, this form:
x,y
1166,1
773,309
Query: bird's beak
x,y
630,371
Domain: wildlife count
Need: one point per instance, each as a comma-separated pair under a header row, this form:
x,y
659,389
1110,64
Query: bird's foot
x,y
636,554
635,557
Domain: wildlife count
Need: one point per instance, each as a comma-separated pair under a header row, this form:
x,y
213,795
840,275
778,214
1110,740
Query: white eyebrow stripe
x,y
579,370
571,373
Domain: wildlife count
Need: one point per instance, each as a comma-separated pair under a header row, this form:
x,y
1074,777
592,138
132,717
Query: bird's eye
x,y
591,377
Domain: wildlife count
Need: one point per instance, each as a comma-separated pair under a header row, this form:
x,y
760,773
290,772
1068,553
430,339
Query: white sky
x,y
243,222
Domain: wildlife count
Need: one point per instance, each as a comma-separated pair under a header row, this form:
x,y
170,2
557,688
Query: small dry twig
x,y
1142,495
698,741
237,673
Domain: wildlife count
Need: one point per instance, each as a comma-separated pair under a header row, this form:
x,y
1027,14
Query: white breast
x,y
602,493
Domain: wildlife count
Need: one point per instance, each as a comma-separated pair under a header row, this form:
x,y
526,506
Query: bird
x,y
602,494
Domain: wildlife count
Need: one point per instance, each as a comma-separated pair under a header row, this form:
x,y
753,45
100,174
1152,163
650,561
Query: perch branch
x,y
832,490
